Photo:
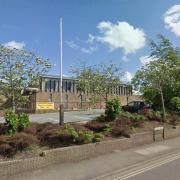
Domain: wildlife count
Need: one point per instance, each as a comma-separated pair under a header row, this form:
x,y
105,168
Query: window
x,y
47,86
69,86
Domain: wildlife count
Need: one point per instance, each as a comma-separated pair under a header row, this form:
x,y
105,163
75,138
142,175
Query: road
x,y
158,161
70,116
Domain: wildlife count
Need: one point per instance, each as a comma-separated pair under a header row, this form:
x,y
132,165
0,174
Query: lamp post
x,y
61,109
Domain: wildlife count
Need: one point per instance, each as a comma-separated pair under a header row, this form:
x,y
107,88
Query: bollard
x,y
61,114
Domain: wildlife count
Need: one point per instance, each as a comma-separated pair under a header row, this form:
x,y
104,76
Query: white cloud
x,y
127,77
146,59
72,44
89,50
172,19
121,35
14,44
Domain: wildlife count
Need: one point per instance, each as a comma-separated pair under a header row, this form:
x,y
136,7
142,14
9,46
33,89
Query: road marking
x,y
134,173
152,150
140,167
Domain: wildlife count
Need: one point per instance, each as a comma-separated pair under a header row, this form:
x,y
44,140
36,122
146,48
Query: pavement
x,y
160,160
70,116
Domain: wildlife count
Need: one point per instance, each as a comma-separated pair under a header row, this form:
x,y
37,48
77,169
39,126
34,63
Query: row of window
x,y
70,86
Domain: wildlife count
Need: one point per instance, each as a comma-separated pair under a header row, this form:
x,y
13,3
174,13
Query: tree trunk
x,y
13,103
106,98
163,107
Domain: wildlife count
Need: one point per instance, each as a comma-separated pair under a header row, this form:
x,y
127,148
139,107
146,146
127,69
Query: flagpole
x,y
61,101
61,109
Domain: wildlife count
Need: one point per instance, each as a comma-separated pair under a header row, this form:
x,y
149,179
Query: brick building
x,y
50,92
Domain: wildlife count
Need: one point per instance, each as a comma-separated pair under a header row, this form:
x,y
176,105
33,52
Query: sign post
x,y
61,114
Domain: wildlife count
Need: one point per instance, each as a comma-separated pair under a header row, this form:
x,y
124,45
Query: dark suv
x,y
135,106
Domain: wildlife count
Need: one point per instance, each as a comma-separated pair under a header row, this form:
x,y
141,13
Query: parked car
x,y
135,106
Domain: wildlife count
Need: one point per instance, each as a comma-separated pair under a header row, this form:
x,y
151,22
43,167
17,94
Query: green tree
x,y
158,79
19,69
97,80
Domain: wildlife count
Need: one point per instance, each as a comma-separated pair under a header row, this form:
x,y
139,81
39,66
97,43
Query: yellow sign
x,y
45,105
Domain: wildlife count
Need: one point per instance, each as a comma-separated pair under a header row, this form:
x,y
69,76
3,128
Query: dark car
x,y
135,106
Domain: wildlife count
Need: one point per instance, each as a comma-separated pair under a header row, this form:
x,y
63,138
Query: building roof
x,y
70,78
57,77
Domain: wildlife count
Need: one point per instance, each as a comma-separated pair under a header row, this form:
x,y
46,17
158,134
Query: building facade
x,y
71,97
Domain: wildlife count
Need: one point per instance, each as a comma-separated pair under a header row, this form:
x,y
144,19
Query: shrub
x,y
129,119
152,115
23,121
175,104
85,137
101,118
138,120
15,122
21,141
31,129
124,121
113,108
108,129
72,132
95,126
98,137
11,120
121,131
52,136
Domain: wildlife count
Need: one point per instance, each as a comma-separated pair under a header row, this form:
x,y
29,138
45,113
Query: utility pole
x,y
61,109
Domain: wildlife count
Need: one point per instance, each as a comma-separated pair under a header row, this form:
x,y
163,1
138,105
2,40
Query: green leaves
x,y
97,80
16,122
159,78
113,108
19,69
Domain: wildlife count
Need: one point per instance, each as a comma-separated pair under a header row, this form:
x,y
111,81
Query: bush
x,y
23,121
98,137
175,104
31,129
138,120
124,121
11,120
85,137
121,131
113,108
129,119
152,115
108,129
101,118
72,132
95,126
16,122
21,141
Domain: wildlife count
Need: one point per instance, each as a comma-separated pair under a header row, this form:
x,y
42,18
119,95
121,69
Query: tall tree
x,y
98,80
160,76
19,69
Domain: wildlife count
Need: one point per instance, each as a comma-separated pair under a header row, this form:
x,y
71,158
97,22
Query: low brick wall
x,y
81,152
171,133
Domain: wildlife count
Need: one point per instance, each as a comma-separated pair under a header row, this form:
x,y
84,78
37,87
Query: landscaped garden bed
x,y
22,139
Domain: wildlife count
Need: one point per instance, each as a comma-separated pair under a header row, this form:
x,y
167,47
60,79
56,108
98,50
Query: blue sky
x,y
94,31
